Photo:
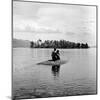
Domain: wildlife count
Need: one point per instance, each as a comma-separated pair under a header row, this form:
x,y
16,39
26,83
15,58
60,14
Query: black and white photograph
x,y
54,49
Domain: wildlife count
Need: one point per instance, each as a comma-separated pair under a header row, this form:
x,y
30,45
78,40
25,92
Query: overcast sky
x,y
33,21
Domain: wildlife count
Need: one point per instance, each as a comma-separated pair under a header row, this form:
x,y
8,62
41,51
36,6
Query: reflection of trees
x,y
57,44
55,70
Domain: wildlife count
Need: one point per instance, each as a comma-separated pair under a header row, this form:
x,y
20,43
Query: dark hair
x,y
54,49
57,51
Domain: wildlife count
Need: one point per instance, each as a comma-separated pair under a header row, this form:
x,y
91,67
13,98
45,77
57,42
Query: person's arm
x,y
52,53
59,54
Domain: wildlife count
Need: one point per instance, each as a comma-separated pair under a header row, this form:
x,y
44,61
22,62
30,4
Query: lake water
x,y
76,77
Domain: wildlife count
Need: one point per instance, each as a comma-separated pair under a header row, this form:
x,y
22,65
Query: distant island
x,y
48,44
18,43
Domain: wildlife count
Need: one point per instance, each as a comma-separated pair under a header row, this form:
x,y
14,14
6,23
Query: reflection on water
x,y
75,77
55,71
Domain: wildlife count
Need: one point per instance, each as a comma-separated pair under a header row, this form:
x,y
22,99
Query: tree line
x,y
57,44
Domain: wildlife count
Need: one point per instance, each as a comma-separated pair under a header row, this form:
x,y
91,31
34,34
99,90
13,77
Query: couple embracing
x,y
55,55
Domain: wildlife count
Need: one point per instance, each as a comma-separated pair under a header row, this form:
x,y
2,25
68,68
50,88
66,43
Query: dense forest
x,y
57,44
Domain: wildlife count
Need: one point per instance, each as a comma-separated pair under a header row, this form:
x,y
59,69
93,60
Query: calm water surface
x,y
76,77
